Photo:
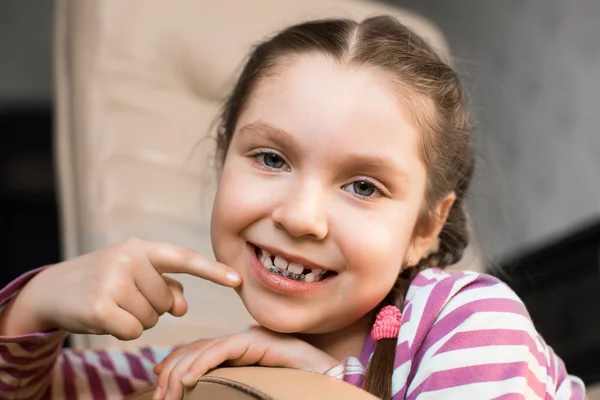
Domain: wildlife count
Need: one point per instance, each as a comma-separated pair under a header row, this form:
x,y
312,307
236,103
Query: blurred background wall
x,y
533,69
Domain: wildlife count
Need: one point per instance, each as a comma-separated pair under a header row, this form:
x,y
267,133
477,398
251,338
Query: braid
x,y
454,236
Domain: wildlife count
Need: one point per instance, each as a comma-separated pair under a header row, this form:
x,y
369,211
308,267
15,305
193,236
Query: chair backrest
x,y
138,84
260,383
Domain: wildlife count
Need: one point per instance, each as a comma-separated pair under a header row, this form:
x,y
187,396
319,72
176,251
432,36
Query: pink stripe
x,y
46,394
402,354
124,385
577,391
32,346
95,383
435,302
5,387
69,380
511,396
562,374
407,313
7,291
20,374
480,373
422,281
37,377
148,354
455,318
17,360
492,337
137,369
554,364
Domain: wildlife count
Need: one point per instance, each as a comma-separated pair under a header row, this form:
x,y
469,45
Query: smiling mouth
x,y
296,272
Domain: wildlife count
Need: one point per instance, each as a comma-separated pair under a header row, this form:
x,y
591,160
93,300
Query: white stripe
x,y
564,390
480,356
17,351
34,364
499,291
352,366
482,390
160,354
478,321
400,377
408,331
106,376
121,366
82,384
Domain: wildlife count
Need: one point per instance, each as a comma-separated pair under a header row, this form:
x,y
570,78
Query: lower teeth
x,y
287,274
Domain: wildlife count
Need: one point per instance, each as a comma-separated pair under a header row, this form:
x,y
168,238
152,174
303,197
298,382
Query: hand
x,y
118,291
256,346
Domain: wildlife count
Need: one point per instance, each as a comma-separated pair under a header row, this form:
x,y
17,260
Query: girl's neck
x,y
345,342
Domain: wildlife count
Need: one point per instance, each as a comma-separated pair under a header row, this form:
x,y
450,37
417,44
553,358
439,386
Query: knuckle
x,y
100,312
131,332
152,320
164,304
127,252
184,255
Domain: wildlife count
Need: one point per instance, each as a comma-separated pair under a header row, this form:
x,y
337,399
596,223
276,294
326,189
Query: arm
x,y
483,344
35,366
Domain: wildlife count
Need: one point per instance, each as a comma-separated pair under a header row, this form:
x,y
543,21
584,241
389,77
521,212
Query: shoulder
x,y
457,307
469,332
435,295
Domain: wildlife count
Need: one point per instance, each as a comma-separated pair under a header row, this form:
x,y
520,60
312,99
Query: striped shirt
x,y
463,335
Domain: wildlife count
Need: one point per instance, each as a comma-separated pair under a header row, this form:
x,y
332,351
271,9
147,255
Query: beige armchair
x,y
138,83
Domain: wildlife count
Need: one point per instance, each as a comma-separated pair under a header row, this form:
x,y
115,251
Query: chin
x,y
279,317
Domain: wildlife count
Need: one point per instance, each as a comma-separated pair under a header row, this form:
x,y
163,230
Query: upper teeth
x,y
280,262
294,268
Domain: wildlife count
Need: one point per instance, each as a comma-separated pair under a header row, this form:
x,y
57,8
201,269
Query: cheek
x,y
240,201
375,247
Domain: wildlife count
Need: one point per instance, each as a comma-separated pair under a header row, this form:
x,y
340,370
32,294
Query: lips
x,y
287,281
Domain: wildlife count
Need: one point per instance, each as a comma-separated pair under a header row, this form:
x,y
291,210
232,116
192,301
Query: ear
x,y
427,231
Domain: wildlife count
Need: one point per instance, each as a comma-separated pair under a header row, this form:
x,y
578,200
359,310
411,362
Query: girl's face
x,y
323,172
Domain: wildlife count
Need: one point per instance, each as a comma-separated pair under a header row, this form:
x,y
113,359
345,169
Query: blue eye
x,y
363,188
270,160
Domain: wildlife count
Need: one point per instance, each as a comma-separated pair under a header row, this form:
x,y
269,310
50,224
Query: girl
x,y
345,153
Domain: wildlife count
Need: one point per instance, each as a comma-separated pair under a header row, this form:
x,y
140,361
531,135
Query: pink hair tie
x,y
387,323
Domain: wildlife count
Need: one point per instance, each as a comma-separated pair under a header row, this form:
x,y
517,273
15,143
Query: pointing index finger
x,y
171,259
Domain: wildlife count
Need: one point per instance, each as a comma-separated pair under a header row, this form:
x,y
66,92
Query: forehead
x,y
337,109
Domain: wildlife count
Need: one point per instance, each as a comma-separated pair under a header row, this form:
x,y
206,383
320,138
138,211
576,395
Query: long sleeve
x,y
37,367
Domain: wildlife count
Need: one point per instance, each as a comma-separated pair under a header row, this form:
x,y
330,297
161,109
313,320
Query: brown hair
x,y
436,101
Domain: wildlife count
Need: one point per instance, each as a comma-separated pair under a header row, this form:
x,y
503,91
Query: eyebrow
x,y
366,164
278,136
360,163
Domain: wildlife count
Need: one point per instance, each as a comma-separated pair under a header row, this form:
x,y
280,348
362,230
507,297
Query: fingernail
x,y
233,277
157,393
168,395
189,379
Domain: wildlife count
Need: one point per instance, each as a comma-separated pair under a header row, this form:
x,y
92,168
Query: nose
x,y
301,212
